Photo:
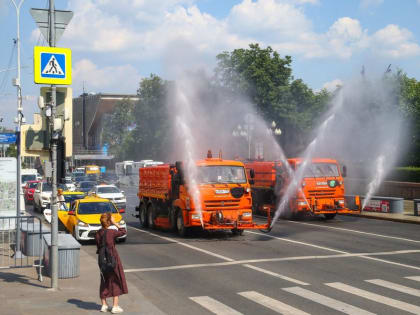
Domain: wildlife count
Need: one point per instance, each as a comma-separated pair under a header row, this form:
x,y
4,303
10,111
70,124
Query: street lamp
x,y
245,131
272,130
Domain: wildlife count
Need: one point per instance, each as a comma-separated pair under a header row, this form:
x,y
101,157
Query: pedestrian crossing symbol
x,y
52,65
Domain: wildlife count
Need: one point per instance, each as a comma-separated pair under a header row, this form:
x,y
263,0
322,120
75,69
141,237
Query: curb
x,y
401,220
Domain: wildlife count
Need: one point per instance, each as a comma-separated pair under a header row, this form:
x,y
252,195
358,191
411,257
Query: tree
x,y
150,137
11,150
266,78
410,106
118,125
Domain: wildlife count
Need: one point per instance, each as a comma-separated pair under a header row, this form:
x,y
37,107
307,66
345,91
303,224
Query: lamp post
x,y
272,130
16,82
245,131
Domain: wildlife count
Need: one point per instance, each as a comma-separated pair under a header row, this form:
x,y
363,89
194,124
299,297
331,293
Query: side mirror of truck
x,y
344,172
252,173
178,166
251,182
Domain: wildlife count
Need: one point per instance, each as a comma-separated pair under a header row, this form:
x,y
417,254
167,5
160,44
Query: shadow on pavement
x,y
85,305
13,277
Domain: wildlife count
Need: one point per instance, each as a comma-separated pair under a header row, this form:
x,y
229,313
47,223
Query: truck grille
x,y
321,193
219,204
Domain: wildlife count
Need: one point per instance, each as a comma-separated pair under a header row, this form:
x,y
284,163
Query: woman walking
x,y
113,283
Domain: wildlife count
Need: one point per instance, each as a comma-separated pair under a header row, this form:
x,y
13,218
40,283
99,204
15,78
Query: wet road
x,y
348,265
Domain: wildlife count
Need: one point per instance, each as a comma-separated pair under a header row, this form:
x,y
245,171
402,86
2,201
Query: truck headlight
x,y
301,203
246,214
81,223
341,202
195,217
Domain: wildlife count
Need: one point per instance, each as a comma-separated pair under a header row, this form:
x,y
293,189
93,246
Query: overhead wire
x,y
7,72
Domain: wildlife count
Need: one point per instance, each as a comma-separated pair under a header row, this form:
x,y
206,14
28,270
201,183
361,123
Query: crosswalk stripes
x,y
272,304
395,286
415,278
214,306
327,301
280,307
410,308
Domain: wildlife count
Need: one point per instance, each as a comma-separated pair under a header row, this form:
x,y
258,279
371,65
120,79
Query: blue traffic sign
x,y
7,138
53,65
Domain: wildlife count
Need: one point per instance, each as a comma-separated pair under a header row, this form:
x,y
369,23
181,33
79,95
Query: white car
x,y
69,184
42,196
111,192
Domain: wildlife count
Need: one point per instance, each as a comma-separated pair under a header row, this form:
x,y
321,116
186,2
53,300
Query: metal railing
x,y
31,242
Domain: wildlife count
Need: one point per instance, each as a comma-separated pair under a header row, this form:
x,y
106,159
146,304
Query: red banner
x,y
377,206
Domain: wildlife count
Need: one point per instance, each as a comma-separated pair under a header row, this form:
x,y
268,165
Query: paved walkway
x,y
407,216
22,293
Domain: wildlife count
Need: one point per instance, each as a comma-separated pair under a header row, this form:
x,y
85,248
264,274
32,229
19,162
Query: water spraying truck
x,y
321,190
222,188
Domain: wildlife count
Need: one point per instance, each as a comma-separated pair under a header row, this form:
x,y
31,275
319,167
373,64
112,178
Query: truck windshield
x,y
321,170
96,208
221,174
25,178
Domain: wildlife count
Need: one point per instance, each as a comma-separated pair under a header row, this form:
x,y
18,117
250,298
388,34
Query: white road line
x,y
300,243
276,275
358,232
376,297
296,258
339,251
395,286
327,301
184,244
214,306
272,304
415,278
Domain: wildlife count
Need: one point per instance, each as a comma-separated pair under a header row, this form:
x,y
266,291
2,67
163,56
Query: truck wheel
x,y
151,217
329,216
143,215
237,232
172,219
182,230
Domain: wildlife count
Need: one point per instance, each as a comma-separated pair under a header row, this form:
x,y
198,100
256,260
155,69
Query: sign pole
x,y
18,253
54,215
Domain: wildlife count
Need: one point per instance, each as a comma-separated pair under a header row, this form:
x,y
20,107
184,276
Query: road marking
x,y
358,232
299,242
276,275
296,258
395,286
327,301
415,278
272,304
376,297
184,244
214,306
340,251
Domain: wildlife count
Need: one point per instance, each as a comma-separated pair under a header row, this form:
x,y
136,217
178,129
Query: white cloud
x,y
331,86
394,41
118,79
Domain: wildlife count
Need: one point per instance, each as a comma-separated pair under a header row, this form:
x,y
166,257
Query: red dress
x,y
113,283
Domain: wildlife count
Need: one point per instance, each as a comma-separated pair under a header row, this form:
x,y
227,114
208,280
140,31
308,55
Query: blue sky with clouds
x,y
116,43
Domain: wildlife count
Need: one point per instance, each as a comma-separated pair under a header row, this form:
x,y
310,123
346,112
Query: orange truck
x,y
321,189
224,192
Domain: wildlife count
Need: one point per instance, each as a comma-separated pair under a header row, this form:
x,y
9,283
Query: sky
x,y
116,43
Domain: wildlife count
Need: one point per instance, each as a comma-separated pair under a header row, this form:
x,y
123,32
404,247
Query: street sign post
x,y
7,138
42,19
52,65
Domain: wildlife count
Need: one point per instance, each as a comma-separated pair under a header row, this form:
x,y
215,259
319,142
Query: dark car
x,y
86,186
110,179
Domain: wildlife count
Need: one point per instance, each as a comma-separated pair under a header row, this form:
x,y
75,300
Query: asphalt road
x,y
348,265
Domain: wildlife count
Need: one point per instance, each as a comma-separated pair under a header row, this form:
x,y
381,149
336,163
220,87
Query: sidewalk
x,y
406,217
22,293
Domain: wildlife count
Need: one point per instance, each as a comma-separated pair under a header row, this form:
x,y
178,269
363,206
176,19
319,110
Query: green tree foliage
x,y
410,105
11,151
150,137
117,128
266,78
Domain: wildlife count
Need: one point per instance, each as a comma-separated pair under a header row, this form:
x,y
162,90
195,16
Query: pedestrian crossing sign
x,y
52,65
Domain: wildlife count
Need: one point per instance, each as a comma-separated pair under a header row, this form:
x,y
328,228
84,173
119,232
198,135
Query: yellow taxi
x,y
71,196
82,219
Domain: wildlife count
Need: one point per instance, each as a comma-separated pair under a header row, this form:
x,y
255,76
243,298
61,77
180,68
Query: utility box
x,y
32,237
416,207
68,256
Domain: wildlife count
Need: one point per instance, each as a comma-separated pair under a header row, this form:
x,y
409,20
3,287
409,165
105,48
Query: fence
x,y
21,242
